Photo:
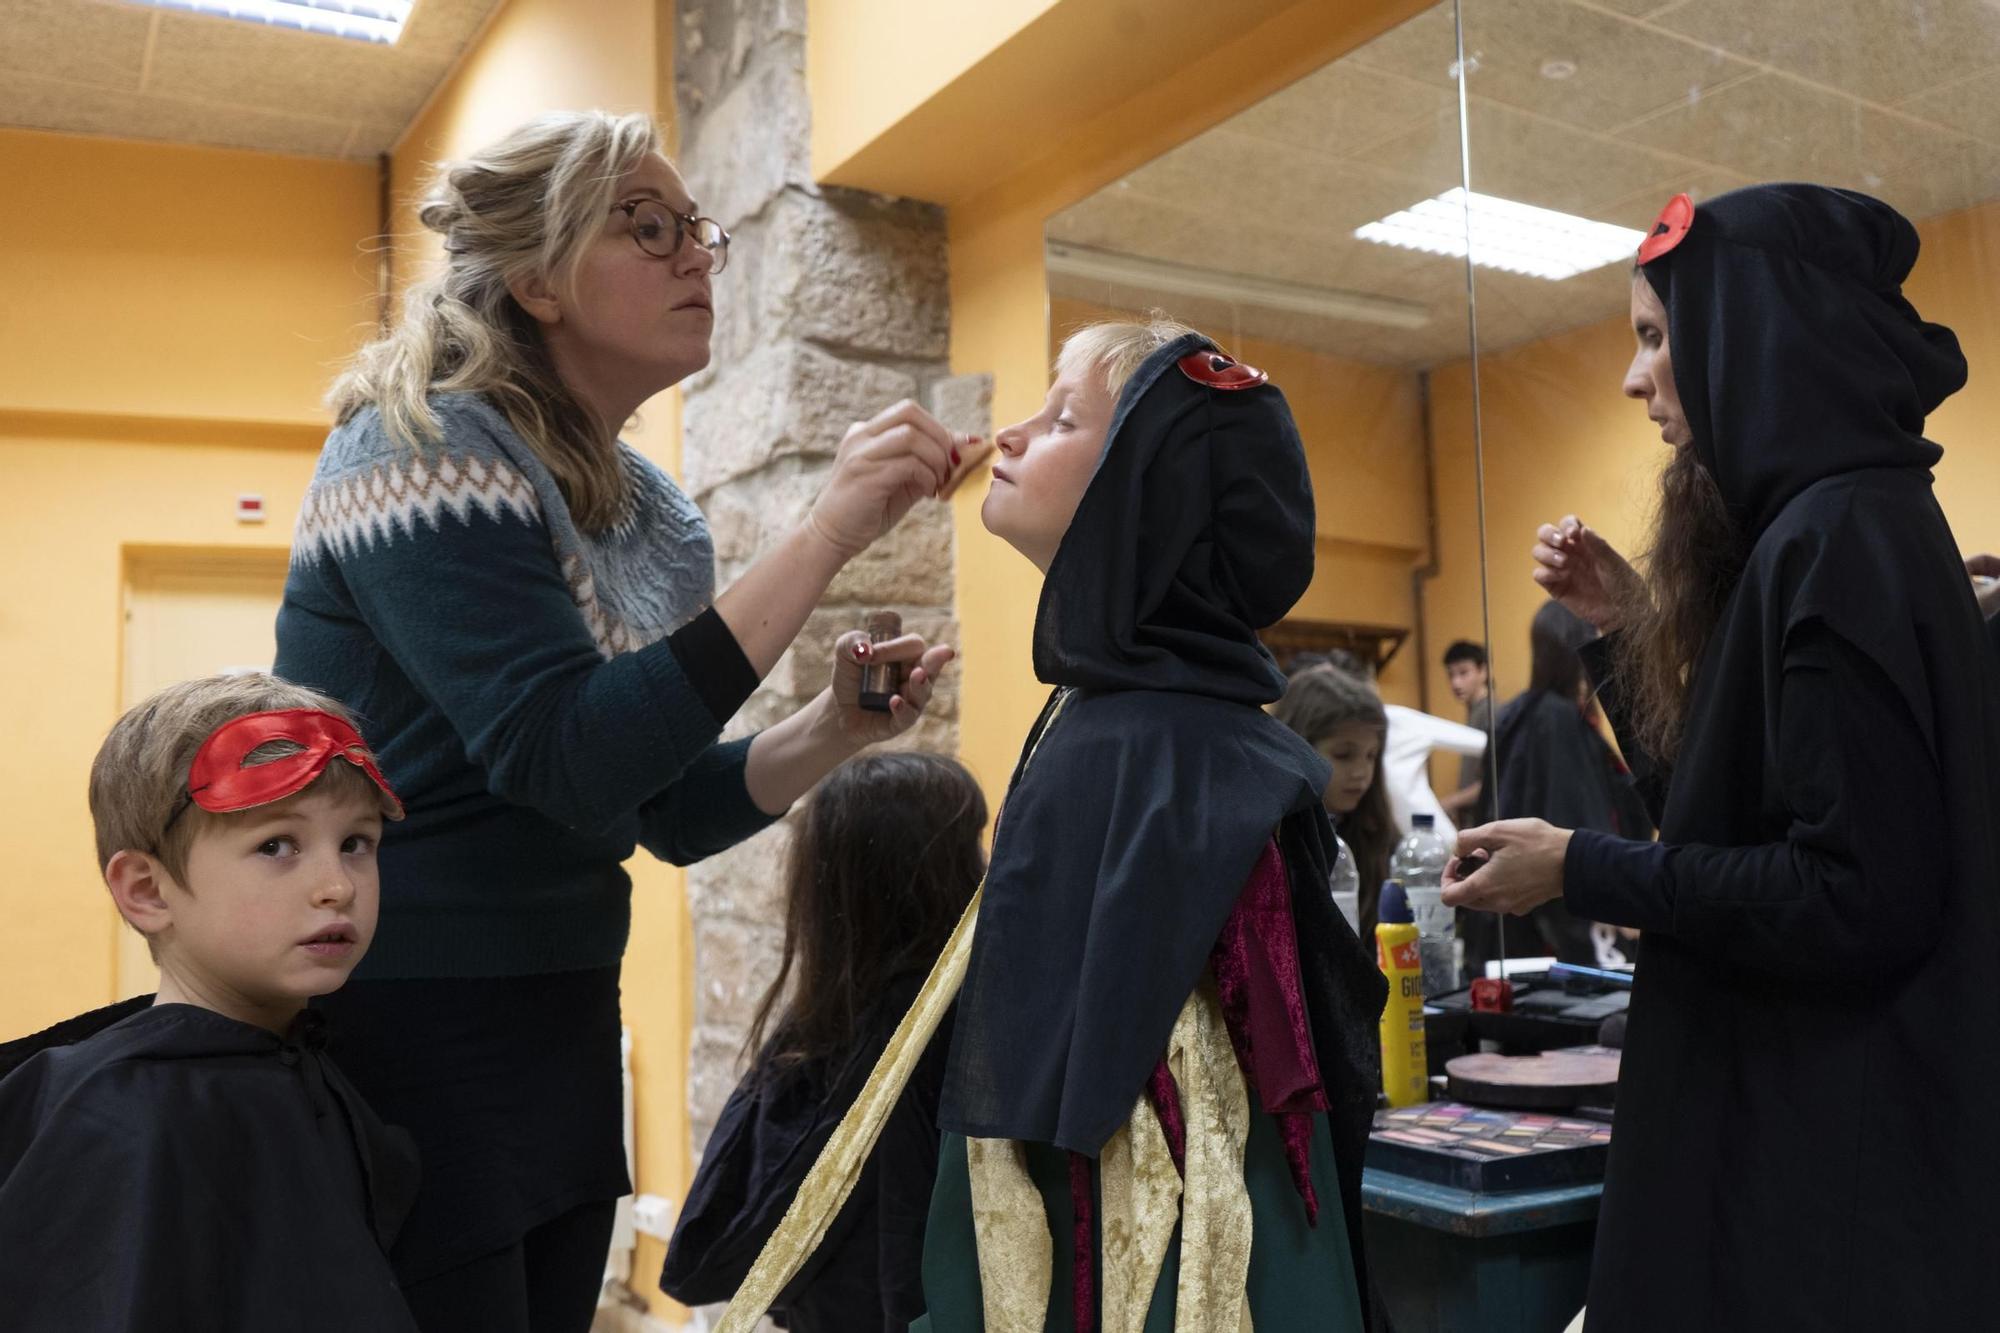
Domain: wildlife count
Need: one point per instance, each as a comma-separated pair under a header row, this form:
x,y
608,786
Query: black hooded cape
x,y
1801,1112
866,1272
179,1170
1122,848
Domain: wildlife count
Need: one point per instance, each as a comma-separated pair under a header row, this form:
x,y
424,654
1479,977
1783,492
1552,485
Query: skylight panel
x,y
379,21
1512,237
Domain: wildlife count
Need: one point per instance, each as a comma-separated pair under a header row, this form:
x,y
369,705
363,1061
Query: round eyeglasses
x,y
659,231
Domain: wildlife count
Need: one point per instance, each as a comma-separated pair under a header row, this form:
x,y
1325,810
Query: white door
x,y
191,612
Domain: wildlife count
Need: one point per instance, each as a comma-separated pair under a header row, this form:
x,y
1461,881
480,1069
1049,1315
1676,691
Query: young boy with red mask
x,y
193,1159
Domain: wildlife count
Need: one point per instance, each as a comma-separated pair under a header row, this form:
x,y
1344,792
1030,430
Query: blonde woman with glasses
x,y
522,610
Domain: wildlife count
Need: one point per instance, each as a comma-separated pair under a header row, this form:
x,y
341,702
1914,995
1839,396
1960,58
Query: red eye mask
x,y
219,783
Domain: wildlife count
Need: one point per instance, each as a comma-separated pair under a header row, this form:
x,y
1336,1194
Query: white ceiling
x,y
107,67
1603,108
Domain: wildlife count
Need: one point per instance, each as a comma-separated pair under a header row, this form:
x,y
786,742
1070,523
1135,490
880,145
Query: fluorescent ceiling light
x,y
1160,275
362,20
1518,238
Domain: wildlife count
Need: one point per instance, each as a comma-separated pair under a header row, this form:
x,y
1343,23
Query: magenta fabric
x,y
1256,967
1083,1271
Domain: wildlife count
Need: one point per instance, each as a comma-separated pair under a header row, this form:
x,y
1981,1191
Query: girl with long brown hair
x,y
886,859
1340,715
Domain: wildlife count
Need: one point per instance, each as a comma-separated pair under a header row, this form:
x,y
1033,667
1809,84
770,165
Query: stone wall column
x,y
833,307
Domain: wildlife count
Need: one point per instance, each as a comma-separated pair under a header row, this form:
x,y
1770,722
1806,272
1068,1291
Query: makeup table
x,y
1481,1221
1452,1261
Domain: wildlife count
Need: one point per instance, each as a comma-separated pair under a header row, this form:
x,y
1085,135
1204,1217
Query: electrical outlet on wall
x,y
654,1215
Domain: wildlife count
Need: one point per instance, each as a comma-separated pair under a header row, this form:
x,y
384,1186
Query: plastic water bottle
x,y
1418,865
1346,884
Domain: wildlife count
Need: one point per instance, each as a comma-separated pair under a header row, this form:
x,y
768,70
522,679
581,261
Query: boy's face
x,y
1468,680
1045,464
279,902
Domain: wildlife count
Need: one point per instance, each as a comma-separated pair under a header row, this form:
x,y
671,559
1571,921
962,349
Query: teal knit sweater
x,y
543,700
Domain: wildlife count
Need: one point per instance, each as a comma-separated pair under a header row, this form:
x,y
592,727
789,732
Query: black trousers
x,y
546,1282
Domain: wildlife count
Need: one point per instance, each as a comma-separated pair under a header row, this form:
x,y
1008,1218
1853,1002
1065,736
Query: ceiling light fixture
x,y
1516,238
1170,278
378,21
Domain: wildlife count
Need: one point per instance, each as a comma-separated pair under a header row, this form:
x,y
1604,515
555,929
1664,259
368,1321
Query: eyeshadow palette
x,y
1472,1148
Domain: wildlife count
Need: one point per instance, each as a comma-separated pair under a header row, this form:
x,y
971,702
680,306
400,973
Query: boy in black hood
x,y
1805,691
1157,893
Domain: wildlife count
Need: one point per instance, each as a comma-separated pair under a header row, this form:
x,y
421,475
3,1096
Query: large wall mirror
x,y
1591,114
1449,405
1320,235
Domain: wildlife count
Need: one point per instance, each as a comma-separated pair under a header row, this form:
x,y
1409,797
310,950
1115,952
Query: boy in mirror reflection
x,y
1471,683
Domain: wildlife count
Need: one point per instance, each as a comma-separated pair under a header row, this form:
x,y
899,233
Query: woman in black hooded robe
x,y
1805,692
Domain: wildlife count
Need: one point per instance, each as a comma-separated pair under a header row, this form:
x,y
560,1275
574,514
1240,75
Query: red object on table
x,y
1493,995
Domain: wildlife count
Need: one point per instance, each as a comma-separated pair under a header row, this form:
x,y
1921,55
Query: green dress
x,y
1301,1277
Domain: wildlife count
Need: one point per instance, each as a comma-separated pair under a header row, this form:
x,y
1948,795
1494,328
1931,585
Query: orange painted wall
x,y
150,371
1559,439
534,56
1957,282
900,87
164,281
930,45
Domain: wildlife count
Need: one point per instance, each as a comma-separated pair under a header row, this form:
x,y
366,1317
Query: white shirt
x,y
1406,762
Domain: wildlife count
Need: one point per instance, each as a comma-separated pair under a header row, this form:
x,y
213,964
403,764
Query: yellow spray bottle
x,y
1405,1062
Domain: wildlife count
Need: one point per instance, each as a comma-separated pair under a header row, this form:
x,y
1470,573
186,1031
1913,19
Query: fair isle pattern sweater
x,y
543,700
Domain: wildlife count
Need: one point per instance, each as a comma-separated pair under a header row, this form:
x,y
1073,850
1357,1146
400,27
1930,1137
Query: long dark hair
x,y
886,858
1553,638
1692,564
1317,701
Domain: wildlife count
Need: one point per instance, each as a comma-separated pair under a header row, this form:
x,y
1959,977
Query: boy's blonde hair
x,y
140,774
529,205
1114,348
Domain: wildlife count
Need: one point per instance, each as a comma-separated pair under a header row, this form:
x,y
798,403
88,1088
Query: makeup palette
x,y
1582,1076
1473,1148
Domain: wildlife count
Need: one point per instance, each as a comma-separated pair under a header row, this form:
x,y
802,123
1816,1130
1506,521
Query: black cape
x,y
179,1170
1122,847
866,1272
1801,1137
